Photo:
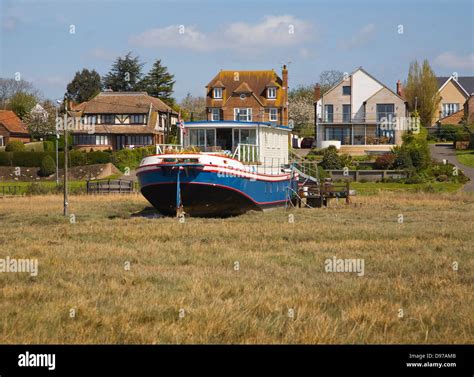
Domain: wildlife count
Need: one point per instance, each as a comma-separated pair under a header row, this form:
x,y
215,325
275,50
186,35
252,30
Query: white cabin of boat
x,y
249,142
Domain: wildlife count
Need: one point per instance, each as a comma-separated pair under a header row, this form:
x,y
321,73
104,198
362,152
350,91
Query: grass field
x,y
183,285
465,157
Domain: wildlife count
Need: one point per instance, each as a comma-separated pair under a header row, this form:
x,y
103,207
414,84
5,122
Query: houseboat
x,y
240,166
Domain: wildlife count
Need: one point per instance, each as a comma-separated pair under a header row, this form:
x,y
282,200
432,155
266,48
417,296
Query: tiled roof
x,y
257,81
243,88
122,103
12,123
454,118
466,82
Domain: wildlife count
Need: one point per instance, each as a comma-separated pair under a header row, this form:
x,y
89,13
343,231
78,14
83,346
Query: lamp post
x,y
65,193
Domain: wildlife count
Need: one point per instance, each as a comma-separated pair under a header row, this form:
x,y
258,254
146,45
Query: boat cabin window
x,y
181,160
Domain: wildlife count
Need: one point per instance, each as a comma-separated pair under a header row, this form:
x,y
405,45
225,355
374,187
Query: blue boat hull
x,y
210,194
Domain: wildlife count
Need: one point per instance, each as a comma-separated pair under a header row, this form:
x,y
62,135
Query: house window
x,y
272,93
217,93
243,115
84,139
90,119
137,119
346,113
202,137
346,90
328,113
450,108
273,115
385,110
101,140
2,143
245,136
215,114
139,140
108,119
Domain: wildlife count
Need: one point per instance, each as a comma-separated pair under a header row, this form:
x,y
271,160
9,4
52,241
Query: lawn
x,y
257,278
465,157
73,185
372,188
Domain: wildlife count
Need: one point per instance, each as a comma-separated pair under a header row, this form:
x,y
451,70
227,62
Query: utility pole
x,y
65,159
57,147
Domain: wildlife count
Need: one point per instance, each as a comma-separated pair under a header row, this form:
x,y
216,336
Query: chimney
x,y
284,76
399,88
317,92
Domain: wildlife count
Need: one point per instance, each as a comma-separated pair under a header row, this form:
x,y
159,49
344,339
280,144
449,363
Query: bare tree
x,y
10,87
193,108
327,79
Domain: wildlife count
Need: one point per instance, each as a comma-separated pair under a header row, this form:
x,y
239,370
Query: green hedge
x,y
33,159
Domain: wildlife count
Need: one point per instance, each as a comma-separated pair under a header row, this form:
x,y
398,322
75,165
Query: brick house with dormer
x,y
248,96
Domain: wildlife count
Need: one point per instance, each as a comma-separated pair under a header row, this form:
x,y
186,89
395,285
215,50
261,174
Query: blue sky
x,y
35,38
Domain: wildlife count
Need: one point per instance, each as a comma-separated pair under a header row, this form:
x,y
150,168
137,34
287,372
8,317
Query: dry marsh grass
x,y
191,267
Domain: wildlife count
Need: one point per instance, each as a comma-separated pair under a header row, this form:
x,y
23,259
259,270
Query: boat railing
x,y
167,148
246,153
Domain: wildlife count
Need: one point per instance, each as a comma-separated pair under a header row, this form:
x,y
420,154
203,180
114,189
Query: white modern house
x,y
359,114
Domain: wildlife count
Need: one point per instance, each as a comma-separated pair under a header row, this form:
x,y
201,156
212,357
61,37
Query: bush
x,y
346,160
15,146
442,178
48,167
37,188
331,160
49,146
131,158
385,161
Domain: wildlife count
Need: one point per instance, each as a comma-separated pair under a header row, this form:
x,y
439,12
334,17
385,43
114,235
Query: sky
x,y
47,41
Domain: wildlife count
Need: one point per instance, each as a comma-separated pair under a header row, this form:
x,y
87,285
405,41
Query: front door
x,y
224,138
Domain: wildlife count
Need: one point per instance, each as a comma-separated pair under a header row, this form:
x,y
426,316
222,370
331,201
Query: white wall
x,y
273,144
363,86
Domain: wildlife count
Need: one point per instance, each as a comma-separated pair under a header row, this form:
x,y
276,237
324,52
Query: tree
x,y
421,91
301,109
15,146
193,108
40,124
331,159
10,87
159,83
48,166
21,104
125,75
327,79
85,85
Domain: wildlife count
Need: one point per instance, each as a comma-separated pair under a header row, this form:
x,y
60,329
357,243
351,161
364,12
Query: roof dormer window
x,y
217,93
271,93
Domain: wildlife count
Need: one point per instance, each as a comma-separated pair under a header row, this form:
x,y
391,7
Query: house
x,y
248,96
247,117
12,128
454,92
359,114
117,120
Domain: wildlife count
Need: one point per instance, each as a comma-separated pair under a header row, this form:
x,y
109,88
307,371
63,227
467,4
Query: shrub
x,y
442,178
346,160
37,188
15,146
49,146
5,158
331,159
131,158
48,167
385,161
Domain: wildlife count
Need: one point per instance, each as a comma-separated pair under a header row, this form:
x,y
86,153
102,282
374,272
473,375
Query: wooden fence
x,y
111,186
6,191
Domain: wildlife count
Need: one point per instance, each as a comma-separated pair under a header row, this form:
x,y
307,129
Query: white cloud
x,y
359,39
452,60
180,36
272,31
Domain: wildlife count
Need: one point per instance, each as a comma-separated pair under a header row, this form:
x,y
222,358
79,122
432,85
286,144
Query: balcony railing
x,y
355,118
